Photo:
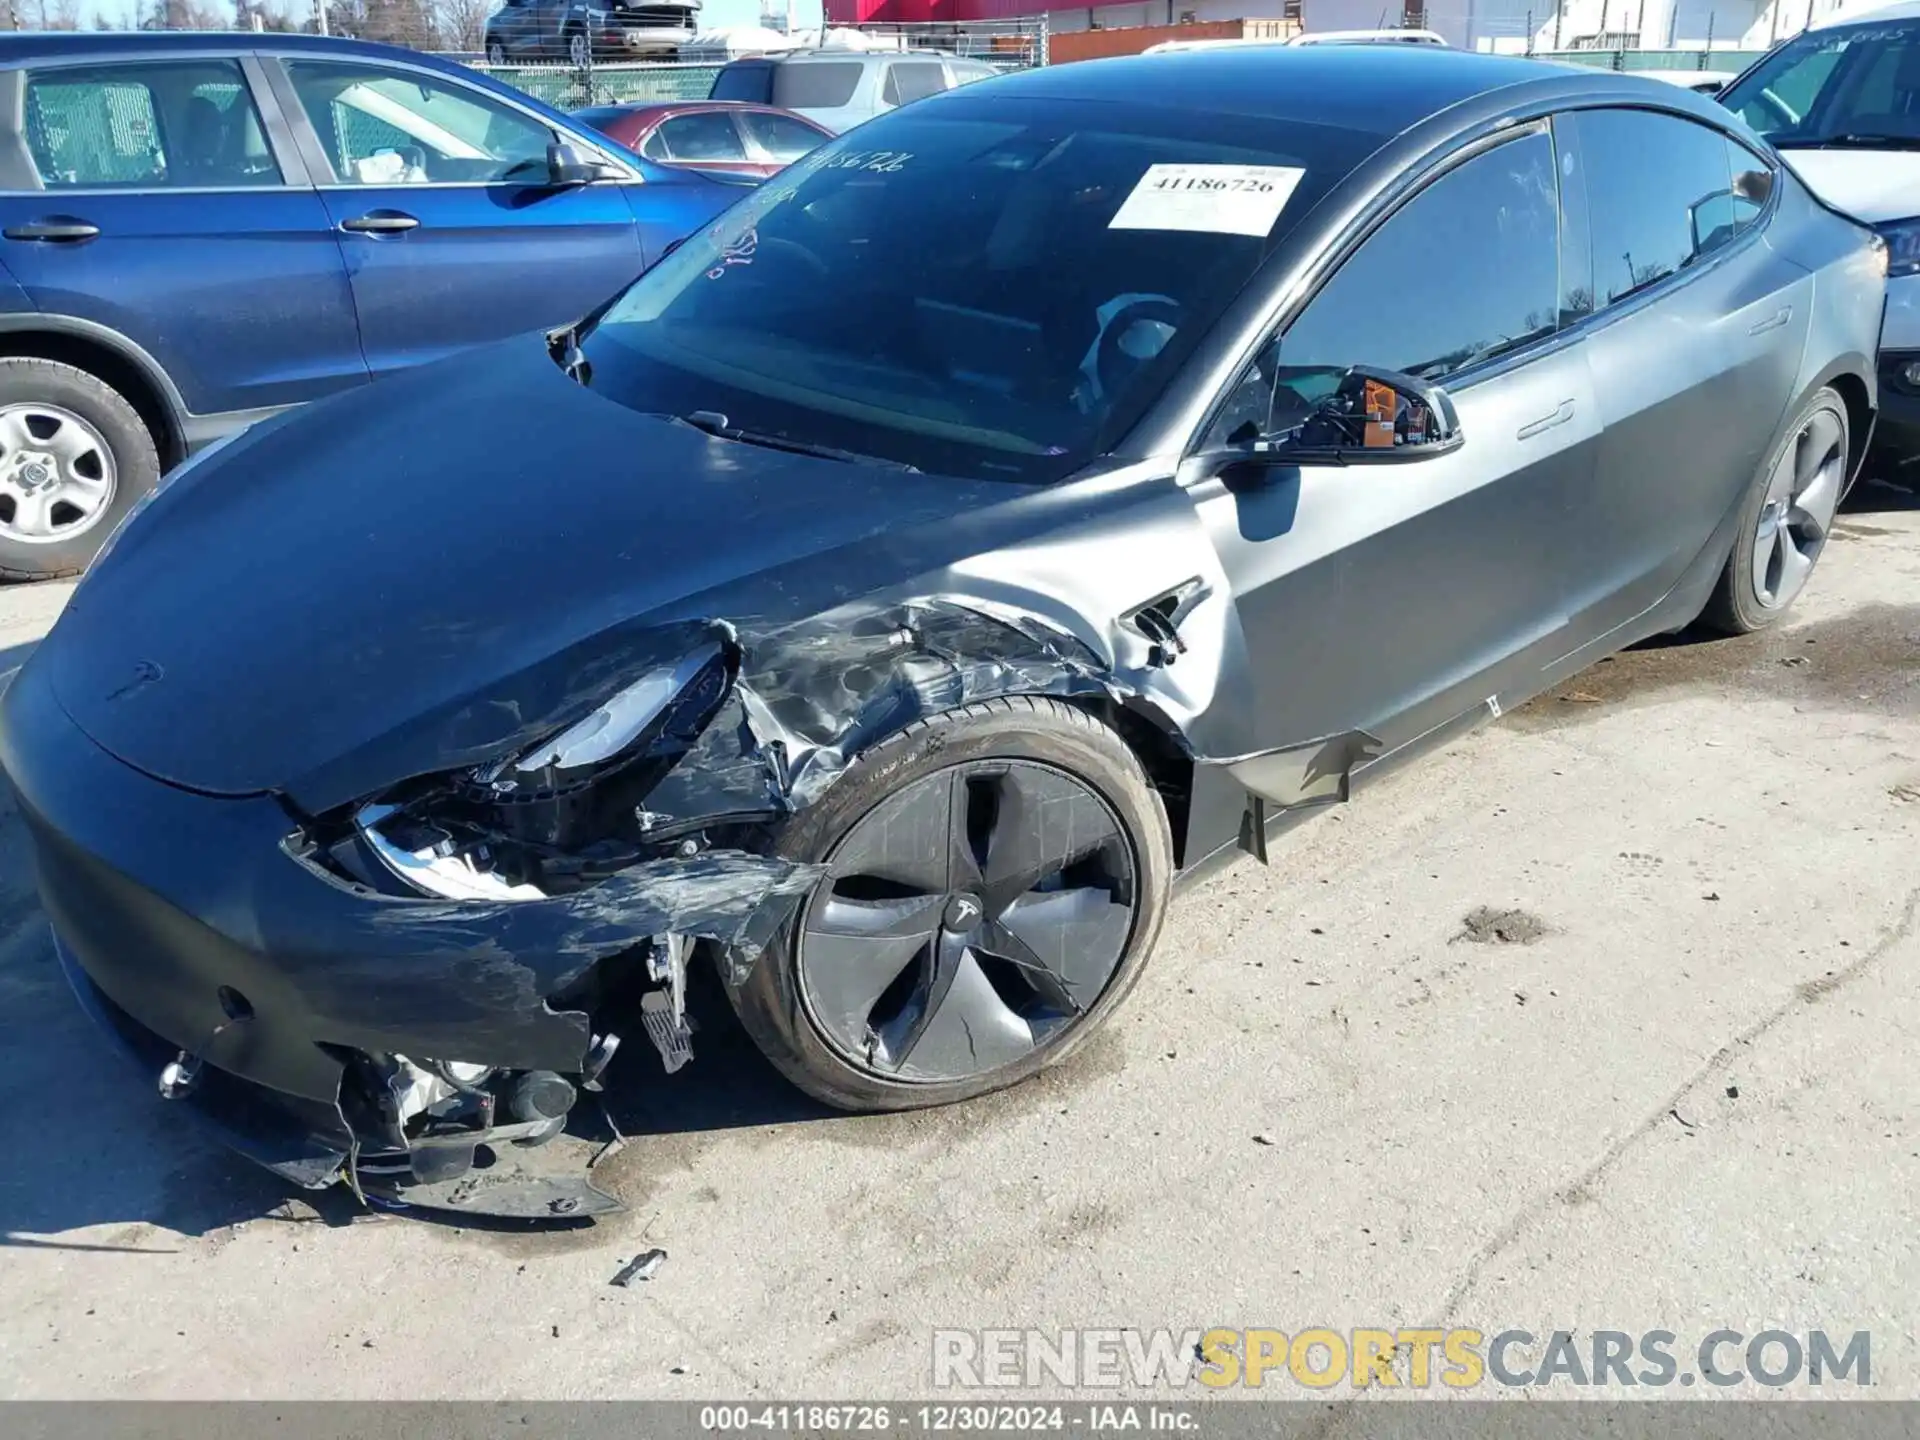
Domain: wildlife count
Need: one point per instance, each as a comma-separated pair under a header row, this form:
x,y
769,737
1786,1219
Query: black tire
x,y
136,461
496,53
577,47
1041,731
1736,607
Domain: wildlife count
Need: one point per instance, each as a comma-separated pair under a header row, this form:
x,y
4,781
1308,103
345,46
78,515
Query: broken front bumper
x,y
193,934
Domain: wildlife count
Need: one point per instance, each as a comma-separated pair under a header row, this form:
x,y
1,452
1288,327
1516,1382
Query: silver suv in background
x,y
841,88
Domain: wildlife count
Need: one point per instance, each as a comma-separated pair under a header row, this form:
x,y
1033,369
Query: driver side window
x,y
1466,270
392,127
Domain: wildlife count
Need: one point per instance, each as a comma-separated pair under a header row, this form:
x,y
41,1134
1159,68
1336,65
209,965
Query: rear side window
x,y
913,80
703,135
822,86
780,137
1659,196
750,80
167,124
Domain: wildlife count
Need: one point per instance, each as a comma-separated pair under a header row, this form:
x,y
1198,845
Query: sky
x,y
714,14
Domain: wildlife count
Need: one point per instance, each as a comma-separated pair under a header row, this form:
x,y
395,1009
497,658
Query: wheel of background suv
x,y
996,879
74,457
579,47
1786,520
496,53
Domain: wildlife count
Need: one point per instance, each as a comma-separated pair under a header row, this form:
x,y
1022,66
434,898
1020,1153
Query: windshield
x,y
1855,85
991,289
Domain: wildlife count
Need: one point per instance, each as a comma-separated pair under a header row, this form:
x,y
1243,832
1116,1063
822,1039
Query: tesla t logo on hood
x,y
145,673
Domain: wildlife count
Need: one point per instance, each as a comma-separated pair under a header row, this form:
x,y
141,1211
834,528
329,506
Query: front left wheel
x,y
996,878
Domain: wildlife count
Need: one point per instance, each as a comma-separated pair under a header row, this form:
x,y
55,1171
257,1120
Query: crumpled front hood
x,y
1873,186
423,572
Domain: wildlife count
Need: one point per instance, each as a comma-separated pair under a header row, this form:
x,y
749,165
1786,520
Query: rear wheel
x,y
995,880
496,53
74,457
579,47
1787,518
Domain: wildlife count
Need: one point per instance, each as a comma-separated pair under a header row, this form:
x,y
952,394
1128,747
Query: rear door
x,y
451,233
147,196
1695,344
1394,599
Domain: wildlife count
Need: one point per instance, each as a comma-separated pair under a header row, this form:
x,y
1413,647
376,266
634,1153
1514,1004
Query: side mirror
x,y
566,167
1373,417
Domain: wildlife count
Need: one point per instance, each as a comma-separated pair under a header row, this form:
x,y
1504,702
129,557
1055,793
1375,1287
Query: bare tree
x,y
462,23
186,15
61,15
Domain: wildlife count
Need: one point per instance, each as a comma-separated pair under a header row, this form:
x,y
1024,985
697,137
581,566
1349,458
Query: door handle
x,y
63,231
380,222
1546,422
1772,322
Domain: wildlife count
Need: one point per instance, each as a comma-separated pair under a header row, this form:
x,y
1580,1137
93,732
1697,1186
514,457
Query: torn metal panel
x,y
827,691
1317,773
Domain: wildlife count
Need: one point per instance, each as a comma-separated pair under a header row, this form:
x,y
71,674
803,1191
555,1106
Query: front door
x,y
164,214
451,233
1391,599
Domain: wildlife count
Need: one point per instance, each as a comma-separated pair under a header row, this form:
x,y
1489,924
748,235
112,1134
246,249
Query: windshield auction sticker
x,y
1218,199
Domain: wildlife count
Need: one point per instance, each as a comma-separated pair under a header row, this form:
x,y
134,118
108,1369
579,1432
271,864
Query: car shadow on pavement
x,y
90,1143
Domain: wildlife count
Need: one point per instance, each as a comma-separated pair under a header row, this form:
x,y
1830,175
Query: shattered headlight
x,y
561,814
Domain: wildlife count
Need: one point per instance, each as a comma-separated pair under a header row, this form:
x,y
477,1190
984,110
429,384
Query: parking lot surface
x,y
1602,1018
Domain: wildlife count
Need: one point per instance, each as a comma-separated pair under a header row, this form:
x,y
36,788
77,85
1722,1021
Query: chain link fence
x,y
568,87
1624,58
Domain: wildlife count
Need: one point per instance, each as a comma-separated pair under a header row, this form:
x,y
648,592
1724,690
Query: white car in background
x,y
1841,103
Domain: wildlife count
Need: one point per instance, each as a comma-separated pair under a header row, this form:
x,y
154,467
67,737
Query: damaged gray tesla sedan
x,y
1023,502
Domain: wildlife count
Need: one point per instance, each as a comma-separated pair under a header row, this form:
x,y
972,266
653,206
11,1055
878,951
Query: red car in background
x,y
711,134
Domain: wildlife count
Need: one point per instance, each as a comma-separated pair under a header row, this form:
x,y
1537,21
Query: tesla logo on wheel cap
x,y
963,912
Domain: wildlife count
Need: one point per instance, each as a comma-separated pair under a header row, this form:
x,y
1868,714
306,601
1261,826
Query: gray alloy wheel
x,y
496,53
995,879
579,48
967,919
1786,519
1797,513
57,474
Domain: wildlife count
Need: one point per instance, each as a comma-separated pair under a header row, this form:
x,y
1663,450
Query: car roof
x,y
1378,88
21,45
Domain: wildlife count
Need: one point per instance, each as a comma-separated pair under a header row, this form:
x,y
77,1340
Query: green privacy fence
x,y
1732,61
568,87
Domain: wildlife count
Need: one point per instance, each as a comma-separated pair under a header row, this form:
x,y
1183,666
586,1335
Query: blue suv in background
x,y
198,230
